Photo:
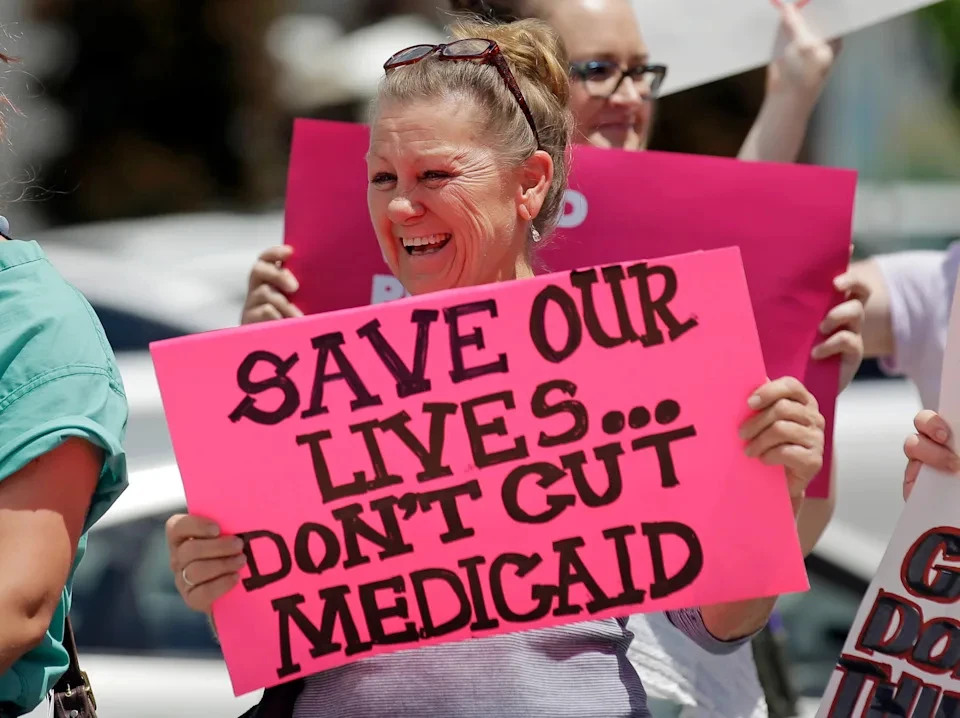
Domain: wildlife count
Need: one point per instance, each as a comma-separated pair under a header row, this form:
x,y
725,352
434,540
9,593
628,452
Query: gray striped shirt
x,y
575,671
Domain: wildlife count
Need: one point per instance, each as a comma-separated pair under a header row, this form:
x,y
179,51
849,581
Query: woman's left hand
x,y
803,69
787,431
843,328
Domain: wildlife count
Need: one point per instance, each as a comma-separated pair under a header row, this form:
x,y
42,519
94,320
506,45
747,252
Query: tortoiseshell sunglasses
x,y
469,49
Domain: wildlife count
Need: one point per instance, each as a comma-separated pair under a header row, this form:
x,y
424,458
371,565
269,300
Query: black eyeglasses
x,y
469,49
603,78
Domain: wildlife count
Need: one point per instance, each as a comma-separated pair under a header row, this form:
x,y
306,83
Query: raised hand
x,y
787,431
807,59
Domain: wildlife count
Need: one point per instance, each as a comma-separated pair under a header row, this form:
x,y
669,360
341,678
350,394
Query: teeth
x,y
424,241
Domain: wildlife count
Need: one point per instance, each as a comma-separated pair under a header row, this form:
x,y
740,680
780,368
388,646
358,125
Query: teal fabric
x,y
58,379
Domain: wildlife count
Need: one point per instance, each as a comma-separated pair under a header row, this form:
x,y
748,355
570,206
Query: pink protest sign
x,y
792,224
481,461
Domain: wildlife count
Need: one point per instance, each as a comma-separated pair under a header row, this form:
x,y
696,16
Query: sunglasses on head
x,y
469,49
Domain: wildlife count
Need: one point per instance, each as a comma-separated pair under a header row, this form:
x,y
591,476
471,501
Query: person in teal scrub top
x,y
63,414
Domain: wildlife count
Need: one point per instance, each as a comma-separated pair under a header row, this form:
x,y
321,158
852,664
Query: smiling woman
x,y
459,210
467,172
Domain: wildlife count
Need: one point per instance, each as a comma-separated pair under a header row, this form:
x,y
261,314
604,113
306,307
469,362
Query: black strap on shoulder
x,y
73,678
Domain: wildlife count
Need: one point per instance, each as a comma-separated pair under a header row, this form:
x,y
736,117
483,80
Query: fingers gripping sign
x,y
786,430
269,288
842,328
205,564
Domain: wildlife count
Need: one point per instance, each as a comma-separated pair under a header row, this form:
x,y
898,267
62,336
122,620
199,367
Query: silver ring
x,y
187,582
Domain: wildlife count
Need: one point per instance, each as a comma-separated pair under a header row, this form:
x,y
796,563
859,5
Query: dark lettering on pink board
x,y
375,514
247,408
316,617
410,380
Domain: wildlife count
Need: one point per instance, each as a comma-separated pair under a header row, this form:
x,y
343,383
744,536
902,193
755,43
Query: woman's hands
x,y
205,564
787,431
806,62
269,288
843,327
930,446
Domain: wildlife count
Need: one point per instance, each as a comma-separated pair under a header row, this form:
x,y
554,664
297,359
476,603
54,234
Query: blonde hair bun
x,y
533,49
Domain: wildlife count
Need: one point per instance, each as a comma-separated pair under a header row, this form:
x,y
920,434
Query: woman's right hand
x,y
803,69
269,288
205,564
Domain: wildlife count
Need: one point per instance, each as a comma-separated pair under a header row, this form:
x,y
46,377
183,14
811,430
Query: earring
x,y
535,234
4,226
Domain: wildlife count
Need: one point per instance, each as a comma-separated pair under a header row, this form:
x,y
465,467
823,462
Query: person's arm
x,y
878,336
692,623
908,305
737,622
815,514
794,84
778,133
785,429
43,507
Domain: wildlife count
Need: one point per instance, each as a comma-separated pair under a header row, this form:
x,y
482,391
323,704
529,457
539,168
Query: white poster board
x,y
704,40
902,656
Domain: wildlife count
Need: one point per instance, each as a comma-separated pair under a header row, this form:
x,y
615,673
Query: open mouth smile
x,y
429,244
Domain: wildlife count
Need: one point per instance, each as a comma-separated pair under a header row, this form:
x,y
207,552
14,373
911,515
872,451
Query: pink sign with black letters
x,y
481,461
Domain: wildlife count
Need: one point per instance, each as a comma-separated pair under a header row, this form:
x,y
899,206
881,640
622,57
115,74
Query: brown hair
x,y
538,60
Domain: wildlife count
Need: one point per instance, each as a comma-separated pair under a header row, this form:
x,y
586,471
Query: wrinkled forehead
x,y
425,129
598,29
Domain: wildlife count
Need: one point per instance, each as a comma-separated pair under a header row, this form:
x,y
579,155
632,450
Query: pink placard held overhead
x,y
792,223
481,461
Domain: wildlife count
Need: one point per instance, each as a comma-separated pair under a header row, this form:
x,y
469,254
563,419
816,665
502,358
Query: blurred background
x,y
136,108
149,158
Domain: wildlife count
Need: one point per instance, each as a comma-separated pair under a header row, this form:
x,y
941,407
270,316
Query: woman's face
x,y
605,30
447,211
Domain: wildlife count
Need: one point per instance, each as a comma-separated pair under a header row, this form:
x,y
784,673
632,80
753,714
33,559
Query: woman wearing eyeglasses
x,y
615,79
614,85
467,172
